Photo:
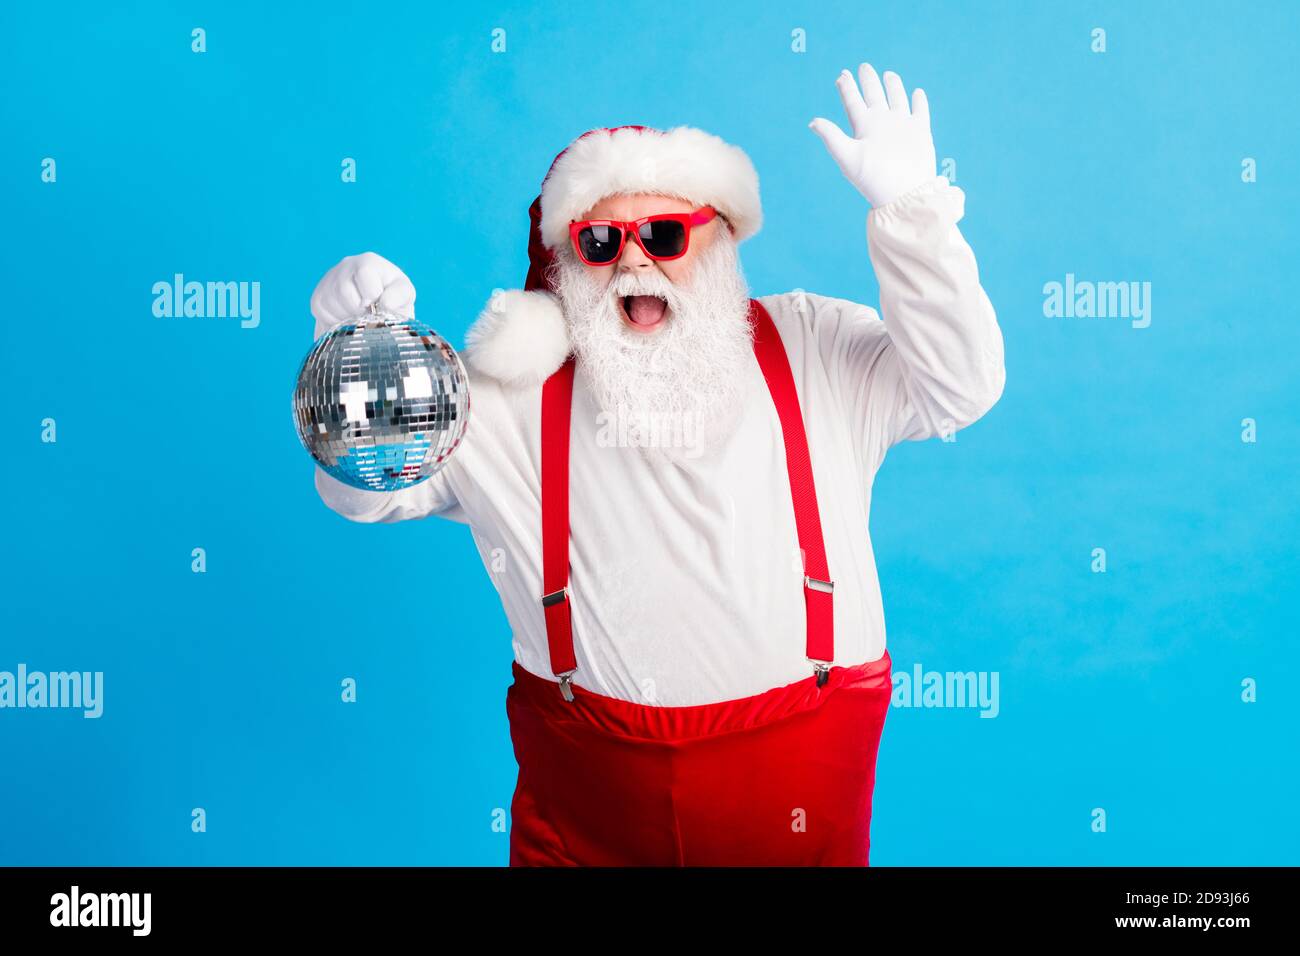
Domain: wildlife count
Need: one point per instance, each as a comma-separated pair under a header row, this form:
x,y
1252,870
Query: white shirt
x,y
686,585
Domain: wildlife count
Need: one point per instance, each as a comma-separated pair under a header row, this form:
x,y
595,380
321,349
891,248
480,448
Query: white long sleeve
x,y
935,364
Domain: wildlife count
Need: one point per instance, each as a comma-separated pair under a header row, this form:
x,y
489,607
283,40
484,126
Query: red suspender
x,y
557,403
817,584
557,399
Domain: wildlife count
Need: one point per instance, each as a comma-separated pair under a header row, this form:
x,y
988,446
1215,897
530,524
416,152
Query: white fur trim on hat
x,y
519,339
683,161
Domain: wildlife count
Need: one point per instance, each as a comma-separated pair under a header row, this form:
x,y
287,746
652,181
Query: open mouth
x,y
645,313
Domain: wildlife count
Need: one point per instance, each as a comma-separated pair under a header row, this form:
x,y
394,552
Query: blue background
x,y
1118,690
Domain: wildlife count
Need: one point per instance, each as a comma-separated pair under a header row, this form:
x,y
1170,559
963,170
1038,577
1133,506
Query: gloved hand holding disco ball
x,y
381,400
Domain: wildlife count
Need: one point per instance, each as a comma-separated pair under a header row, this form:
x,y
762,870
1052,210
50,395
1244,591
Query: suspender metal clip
x,y
566,684
566,679
821,668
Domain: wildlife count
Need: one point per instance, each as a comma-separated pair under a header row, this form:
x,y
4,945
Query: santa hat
x,y
521,338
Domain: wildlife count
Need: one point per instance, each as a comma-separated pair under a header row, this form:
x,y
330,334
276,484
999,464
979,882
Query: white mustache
x,y
643,283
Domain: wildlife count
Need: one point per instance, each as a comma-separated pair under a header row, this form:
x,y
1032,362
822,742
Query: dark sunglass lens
x,y
663,237
599,243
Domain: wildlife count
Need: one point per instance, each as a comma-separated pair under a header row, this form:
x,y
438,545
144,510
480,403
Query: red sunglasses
x,y
599,242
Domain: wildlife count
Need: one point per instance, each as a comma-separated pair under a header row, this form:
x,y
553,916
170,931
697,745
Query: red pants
x,y
782,778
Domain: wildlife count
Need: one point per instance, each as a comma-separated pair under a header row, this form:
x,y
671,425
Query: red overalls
x,y
782,778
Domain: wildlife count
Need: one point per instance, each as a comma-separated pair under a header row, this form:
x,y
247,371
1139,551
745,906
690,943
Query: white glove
x,y
891,151
350,287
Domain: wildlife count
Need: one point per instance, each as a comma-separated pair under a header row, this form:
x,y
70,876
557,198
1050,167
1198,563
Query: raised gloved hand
x,y
891,151
357,282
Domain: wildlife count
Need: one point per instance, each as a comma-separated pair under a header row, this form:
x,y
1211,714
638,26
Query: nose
x,y
633,257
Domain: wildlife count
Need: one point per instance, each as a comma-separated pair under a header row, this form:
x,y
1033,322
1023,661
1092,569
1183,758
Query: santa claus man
x,y
679,479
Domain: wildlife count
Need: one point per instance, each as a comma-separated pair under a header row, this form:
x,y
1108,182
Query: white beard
x,y
677,392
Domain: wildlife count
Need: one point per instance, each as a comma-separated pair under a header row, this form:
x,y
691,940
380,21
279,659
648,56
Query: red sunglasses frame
x,y
632,227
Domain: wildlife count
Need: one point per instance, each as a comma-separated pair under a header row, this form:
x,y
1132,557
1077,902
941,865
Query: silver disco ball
x,y
381,402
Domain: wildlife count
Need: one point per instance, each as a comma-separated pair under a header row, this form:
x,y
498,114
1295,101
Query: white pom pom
x,y
519,339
